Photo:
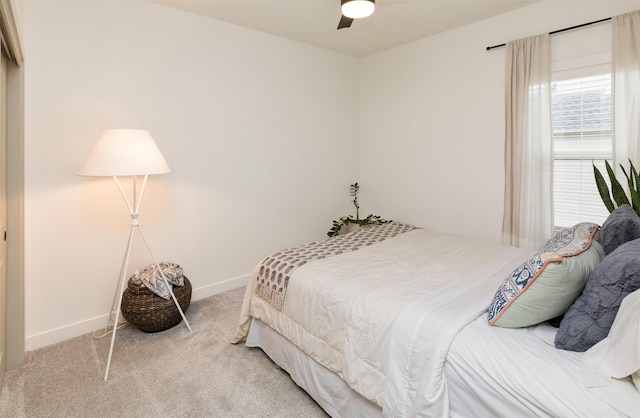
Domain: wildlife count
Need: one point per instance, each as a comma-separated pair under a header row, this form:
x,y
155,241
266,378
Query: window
x,y
581,124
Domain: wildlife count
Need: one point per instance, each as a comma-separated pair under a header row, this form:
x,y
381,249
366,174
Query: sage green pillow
x,y
554,291
545,286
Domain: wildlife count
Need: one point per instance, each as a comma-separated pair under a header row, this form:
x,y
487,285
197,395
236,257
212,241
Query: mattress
x,y
399,328
485,376
324,386
382,317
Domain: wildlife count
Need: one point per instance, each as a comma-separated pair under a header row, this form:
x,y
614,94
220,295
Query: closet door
x,y
3,213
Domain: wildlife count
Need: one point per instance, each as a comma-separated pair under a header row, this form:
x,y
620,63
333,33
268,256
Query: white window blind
x,y
581,118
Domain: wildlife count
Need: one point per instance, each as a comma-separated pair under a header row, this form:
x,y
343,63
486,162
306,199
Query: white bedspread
x,y
383,317
489,371
424,330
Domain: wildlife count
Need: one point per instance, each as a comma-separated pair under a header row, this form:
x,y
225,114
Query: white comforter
x,y
383,317
520,373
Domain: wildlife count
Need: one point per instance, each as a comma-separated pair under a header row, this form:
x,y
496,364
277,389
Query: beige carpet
x,y
172,373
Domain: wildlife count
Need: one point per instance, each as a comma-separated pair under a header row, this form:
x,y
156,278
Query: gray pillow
x,y
589,319
622,225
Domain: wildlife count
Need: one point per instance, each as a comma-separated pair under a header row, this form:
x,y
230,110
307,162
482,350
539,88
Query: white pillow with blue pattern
x,y
546,285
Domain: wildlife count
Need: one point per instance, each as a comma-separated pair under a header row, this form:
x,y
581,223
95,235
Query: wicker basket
x,y
151,313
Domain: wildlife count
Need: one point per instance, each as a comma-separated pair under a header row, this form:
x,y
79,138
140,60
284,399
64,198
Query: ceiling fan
x,y
355,9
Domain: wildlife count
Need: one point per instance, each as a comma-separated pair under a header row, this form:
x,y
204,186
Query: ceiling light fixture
x,y
357,9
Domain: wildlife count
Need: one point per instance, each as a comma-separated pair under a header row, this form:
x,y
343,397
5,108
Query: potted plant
x,y
349,222
617,196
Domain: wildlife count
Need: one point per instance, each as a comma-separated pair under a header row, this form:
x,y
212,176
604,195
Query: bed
x,y
392,321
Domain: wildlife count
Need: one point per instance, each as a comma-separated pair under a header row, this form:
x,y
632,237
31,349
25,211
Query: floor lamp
x,y
127,153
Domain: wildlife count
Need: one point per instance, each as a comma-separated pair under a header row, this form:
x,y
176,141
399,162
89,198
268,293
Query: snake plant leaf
x,y
635,200
624,172
631,182
603,189
634,188
619,196
635,177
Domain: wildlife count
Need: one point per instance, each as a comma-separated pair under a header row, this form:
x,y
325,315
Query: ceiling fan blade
x,y
345,22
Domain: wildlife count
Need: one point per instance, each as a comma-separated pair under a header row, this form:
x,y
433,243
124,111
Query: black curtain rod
x,y
489,48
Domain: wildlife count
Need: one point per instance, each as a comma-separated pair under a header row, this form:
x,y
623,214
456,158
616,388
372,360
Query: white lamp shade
x,y
357,9
124,152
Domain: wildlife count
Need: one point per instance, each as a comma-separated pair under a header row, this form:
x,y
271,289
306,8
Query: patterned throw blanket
x,y
151,278
275,271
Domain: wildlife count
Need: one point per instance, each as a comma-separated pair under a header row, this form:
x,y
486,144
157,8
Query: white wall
x,y
432,117
258,130
263,134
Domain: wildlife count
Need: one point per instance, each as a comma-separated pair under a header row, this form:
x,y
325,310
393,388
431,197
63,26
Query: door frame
x,y
15,303
15,327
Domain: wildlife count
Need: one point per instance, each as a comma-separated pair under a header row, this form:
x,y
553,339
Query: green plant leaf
x,y
346,220
635,200
631,182
603,189
624,172
355,188
335,229
635,176
619,196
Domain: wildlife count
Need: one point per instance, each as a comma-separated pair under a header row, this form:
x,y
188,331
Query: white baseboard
x,y
214,289
33,342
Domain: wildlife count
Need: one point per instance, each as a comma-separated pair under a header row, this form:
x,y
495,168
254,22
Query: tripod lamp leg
x,y
123,274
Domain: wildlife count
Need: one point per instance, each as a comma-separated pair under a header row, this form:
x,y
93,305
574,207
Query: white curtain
x,y
626,89
528,206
